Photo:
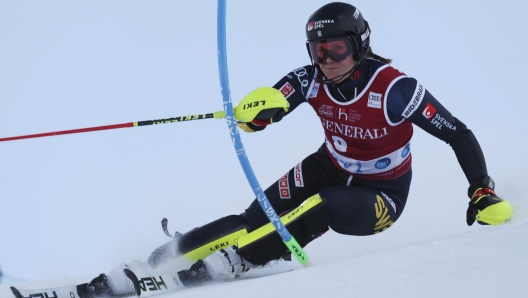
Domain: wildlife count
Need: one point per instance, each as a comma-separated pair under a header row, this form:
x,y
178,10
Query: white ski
x,y
147,285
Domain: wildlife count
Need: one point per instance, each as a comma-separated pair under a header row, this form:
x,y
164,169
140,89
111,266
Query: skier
x,y
358,181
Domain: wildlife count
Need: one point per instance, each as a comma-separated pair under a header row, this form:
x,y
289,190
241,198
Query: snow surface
x,y
487,262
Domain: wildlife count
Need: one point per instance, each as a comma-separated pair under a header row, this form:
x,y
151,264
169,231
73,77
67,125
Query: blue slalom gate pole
x,y
288,239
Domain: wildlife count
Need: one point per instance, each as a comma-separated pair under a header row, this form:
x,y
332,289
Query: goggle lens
x,y
335,48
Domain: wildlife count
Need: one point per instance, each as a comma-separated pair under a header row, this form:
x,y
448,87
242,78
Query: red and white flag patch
x,y
287,90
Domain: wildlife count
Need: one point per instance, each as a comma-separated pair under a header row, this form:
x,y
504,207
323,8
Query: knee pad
x,y
306,222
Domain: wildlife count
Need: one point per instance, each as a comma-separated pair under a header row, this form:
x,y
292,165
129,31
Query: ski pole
x,y
215,115
287,238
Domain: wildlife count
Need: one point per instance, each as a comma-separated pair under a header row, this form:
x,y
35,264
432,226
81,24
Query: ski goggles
x,y
335,48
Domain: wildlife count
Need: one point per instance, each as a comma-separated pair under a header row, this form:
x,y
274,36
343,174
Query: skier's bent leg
x,y
306,222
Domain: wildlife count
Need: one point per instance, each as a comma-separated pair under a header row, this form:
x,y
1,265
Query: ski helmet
x,y
339,19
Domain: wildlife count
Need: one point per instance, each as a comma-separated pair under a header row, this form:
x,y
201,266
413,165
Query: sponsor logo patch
x,y
383,216
342,112
302,76
374,100
419,94
429,111
284,187
383,163
365,35
326,110
152,284
440,122
406,151
354,116
287,90
44,295
318,24
389,200
314,91
299,182
353,131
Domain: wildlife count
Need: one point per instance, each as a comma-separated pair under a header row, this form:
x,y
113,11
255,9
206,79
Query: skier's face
x,y
333,69
334,56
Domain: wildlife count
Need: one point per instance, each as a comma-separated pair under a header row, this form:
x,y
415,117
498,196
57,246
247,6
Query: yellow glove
x,y
259,108
486,207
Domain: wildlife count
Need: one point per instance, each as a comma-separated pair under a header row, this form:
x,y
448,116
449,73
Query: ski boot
x,y
195,276
227,264
220,266
118,283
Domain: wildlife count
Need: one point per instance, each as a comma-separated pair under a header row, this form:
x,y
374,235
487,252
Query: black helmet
x,y
340,19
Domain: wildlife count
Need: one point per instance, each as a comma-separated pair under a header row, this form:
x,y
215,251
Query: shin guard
x,y
200,242
306,222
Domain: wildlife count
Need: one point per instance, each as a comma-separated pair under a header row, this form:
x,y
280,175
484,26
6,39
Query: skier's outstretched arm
x,y
409,99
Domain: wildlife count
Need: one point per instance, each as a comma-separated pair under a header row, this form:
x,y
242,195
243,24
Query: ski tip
x,y
133,278
16,292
